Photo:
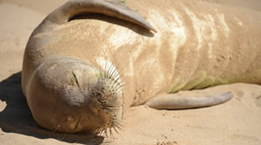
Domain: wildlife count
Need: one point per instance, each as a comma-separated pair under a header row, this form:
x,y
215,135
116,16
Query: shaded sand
x,y
237,122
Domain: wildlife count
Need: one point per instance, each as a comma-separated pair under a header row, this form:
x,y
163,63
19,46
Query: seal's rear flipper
x,y
173,101
73,8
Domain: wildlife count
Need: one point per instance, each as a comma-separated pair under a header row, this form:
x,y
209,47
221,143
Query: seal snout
x,y
108,92
101,97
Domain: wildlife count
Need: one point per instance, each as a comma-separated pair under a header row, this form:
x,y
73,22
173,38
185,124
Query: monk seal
x,y
89,60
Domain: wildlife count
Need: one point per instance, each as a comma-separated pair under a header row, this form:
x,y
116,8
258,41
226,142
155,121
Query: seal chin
x,y
73,96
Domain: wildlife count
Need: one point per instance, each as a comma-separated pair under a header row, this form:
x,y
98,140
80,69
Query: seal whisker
x,y
115,129
114,73
110,70
105,69
102,131
97,131
118,87
106,132
111,134
118,126
120,72
117,80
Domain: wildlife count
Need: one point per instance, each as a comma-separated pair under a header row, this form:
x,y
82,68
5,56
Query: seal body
x,y
197,45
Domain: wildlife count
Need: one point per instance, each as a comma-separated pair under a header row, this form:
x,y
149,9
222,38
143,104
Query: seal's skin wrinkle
x,y
119,38
212,39
198,26
221,18
90,60
178,29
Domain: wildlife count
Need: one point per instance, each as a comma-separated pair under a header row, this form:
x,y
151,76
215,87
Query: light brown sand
x,y
237,122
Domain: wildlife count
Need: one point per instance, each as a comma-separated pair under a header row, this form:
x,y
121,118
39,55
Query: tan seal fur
x,y
89,60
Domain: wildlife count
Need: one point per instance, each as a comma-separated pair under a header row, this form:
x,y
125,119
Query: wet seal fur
x,y
89,60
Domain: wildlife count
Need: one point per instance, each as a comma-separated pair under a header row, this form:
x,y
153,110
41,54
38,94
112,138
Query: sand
x,y
237,122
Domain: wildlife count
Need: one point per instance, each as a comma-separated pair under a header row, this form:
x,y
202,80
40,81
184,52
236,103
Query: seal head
x,y
81,88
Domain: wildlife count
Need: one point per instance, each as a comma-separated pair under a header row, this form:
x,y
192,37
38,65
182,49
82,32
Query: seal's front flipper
x,y
72,8
174,101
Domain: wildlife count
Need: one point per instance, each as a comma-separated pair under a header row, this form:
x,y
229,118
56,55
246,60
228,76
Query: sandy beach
x,y
237,122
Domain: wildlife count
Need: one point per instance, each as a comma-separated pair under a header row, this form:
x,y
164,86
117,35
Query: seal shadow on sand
x,y
17,118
